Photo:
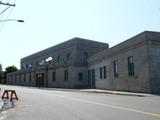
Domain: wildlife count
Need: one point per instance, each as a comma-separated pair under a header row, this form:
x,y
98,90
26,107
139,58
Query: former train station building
x,y
132,65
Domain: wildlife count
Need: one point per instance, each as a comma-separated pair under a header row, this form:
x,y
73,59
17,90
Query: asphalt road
x,y
40,104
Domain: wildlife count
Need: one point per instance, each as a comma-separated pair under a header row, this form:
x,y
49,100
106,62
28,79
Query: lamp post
x,y
6,20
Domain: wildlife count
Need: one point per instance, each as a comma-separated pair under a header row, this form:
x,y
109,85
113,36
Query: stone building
x,y
132,65
63,65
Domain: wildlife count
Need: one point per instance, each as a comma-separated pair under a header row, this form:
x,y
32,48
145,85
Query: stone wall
x,y
136,47
78,49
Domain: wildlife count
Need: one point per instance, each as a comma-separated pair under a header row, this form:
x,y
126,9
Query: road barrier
x,y
12,93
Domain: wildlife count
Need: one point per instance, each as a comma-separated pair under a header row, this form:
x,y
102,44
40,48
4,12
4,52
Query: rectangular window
x,y
53,76
24,78
85,55
68,56
15,78
89,77
80,76
130,66
19,78
115,67
66,75
93,78
11,78
30,77
58,59
104,72
100,70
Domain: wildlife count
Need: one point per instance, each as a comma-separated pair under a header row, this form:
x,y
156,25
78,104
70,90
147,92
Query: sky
x,y
50,22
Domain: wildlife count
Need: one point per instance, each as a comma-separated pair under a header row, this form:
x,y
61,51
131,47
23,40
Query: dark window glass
x,y
68,56
93,78
130,66
15,78
58,59
80,76
85,55
104,72
19,78
89,77
65,75
30,77
24,78
54,76
115,67
100,71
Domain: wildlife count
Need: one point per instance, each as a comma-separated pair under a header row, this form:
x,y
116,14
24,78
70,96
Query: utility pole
x,y
7,4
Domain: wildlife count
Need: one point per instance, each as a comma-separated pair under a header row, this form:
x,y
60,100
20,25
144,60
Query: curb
x,y
1,104
102,91
117,93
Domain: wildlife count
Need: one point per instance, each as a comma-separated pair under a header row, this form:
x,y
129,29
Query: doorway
x,y
91,78
40,79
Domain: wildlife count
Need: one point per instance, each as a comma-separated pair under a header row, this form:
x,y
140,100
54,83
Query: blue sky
x,y
50,22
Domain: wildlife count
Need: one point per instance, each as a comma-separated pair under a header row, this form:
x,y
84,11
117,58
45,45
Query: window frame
x,y
80,76
131,71
104,72
115,68
100,73
53,76
65,75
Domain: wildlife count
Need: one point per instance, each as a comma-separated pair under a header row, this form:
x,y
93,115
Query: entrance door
x,y
93,78
40,80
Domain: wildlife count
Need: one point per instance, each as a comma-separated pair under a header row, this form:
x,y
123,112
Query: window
x,y
24,78
53,76
68,56
100,70
30,77
115,67
19,78
15,78
104,72
11,78
58,59
66,75
80,76
85,55
89,75
130,66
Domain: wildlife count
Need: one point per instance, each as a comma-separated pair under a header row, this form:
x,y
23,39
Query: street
x,y
57,104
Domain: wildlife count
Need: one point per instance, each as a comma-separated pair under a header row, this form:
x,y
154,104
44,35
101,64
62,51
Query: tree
x,y
0,68
1,72
11,69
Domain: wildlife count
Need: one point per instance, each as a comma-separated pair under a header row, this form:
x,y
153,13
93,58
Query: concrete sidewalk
x,y
1,104
116,92
1,101
101,91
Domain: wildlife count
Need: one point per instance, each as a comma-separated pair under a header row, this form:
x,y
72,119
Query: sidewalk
x,y
1,101
1,104
116,92
102,91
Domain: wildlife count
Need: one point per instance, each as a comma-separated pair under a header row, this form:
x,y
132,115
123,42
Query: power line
x,y
8,4
4,10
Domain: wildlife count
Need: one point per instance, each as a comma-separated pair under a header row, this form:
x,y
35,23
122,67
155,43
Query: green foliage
x,y
11,69
1,69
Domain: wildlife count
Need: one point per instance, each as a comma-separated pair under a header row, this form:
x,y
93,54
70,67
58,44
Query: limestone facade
x,y
132,65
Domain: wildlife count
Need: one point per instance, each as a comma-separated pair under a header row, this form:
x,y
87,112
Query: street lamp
x,y
6,20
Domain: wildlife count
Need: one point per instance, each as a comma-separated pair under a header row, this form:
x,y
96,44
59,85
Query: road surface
x,y
57,104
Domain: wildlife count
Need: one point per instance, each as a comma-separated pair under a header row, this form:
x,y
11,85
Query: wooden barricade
x,y
9,94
